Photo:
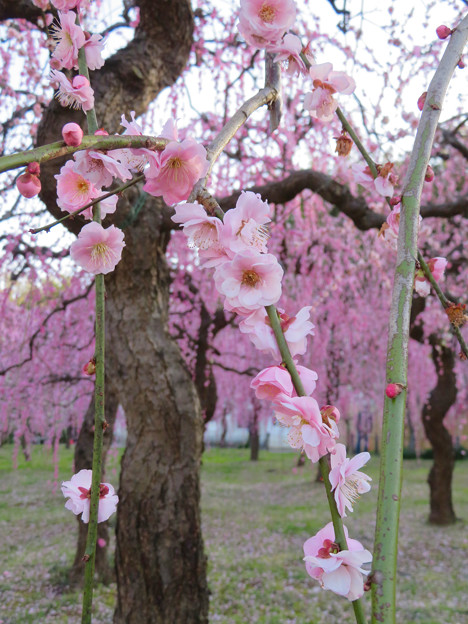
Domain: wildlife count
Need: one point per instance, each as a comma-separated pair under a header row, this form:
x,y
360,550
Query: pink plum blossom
x,y
173,173
308,431
296,329
421,284
93,51
78,492
66,5
290,50
276,380
70,38
244,226
346,479
202,231
249,281
383,183
337,570
76,94
320,102
272,381
98,250
100,168
72,134
73,189
262,23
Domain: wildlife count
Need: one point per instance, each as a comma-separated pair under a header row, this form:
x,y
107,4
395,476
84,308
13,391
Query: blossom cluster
x,y
78,492
248,278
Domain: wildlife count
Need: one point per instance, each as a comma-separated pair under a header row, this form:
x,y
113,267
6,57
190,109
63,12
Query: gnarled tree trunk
x,y
440,400
160,564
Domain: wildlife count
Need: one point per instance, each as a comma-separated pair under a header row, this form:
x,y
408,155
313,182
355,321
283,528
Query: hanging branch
x,y
388,507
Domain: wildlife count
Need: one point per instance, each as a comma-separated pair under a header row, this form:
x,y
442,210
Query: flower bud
x,y
72,134
429,174
28,185
395,200
443,32
461,64
90,367
421,100
34,168
393,390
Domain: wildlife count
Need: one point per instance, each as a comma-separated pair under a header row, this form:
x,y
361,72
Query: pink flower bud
x,y
395,200
101,132
461,64
443,32
393,390
429,174
34,168
72,134
28,185
421,100
90,367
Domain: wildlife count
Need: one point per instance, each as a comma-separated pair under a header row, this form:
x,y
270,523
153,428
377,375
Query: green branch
x,y
388,506
59,148
323,461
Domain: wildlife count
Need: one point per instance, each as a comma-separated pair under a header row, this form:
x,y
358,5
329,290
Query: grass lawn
x,y
256,516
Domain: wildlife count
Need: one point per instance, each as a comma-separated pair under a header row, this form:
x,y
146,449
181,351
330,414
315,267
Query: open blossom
x,y
173,173
202,231
73,190
249,281
295,328
70,38
244,226
421,285
346,479
93,51
66,5
290,50
308,430
78,492
100,168
337,570
274,381
76,94
383,183
320,102
262,23
98,250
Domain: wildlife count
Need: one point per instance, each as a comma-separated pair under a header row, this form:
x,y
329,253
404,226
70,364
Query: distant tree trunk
x,y
440,400
160,564
26,447
83,460
254,439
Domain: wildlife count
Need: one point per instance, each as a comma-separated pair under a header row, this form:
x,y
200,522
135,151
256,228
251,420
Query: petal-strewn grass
x,y
256,517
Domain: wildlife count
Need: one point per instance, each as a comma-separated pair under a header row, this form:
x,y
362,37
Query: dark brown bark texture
x,y
159,556
84,460
160,565
442,397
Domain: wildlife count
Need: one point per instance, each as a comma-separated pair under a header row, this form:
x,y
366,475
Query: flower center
x,y
250,278
103,491
83,186
174,163
350,489
99,250
205,236
267,13
328,548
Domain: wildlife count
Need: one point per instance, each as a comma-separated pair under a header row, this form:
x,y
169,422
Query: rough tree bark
x,y
83,459
442,397
159,556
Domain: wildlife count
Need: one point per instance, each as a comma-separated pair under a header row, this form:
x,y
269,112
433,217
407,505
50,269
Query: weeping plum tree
x,y
160,564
